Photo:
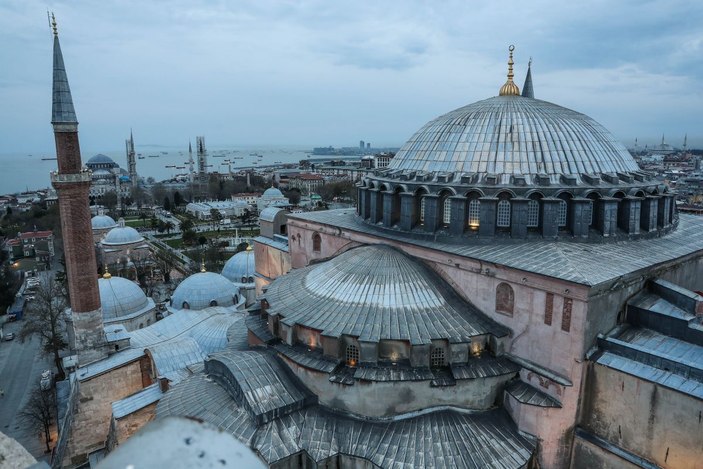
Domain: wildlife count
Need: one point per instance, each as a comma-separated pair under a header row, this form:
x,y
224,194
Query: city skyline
x,y
331,74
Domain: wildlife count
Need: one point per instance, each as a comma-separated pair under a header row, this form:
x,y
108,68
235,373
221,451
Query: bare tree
x,y
45,318
39,412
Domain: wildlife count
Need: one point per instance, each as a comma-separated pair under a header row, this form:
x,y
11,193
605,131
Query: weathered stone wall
x,y
586,455
132,423
271,263
92,419
388,398
652,421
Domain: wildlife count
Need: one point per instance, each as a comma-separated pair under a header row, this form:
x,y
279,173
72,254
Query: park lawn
x,y
174,243
136,222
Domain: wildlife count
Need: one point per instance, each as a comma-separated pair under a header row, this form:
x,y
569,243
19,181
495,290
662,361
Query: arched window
x,y
352,355
213,303
422,209
235,299
447,211
437,357
474,213
251,279
244,279
185,305
589,215
316,242
503,220
532,214
505,299
561,216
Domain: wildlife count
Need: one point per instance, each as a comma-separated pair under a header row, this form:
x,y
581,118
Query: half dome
x,y
514,135
202,290
241,267
121,298
376,293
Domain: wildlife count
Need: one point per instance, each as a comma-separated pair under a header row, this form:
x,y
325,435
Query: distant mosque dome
x,y
101,161
240,268
121,298
122,235
102,222
202,290
272,192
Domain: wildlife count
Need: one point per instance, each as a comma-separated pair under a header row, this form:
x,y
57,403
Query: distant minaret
x,y
191,169
685,143
663,143
202,157
72,183
131,160
527,89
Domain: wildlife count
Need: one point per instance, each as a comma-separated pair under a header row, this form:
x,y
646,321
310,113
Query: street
x,y
21,365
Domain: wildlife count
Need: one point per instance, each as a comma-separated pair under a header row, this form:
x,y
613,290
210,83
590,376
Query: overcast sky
x,y
334,72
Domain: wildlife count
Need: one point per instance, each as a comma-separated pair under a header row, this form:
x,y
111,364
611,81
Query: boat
x,y
141,157
153,156
48,159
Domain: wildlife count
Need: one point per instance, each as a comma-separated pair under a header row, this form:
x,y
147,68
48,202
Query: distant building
x,y
247,197
271,197
306,182
107,176
37,245
227,208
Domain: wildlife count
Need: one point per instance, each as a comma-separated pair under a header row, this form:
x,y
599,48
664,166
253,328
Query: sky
x,y
321,73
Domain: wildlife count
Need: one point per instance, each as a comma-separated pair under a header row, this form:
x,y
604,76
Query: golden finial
x,y
106,274
202,266
53,23
249,248
510,88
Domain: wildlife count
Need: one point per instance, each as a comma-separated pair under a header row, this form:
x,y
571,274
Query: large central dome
x,y
514,135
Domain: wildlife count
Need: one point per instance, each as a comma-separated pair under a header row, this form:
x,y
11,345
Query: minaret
x,y
527,89
191,170
72,182
131,160
202,158
685,143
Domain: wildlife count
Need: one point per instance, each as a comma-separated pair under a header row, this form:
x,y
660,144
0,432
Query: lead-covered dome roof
x,y
121,298
514,135
240,268
122,235
376,293
272,192
101,160
102,222
202,290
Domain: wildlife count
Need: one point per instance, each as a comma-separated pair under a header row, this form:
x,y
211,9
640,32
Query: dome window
x,y
561,216
316,242
505,299
244,279
213,303
474,213
503,220
251,279
437,357
447,211
532,214
352,355
185,305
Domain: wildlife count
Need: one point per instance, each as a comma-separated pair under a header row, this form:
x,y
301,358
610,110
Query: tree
x,y
167,203
177,199
109,200
45,318
39,412
293,196
215,216
168,226
143,217
187,225
153,222
189,237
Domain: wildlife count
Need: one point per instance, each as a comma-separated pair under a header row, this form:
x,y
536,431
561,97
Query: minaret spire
x,y
527,89
510,88
62,111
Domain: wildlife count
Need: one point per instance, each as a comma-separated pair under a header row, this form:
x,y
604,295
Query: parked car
x,y
9,336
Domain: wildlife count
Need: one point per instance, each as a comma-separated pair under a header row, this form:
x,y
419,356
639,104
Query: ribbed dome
x,y
375,293
120,297
122,235
100,159
240,267
514,135
102,222
201,289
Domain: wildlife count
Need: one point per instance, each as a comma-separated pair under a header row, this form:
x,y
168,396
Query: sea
x,y
30,171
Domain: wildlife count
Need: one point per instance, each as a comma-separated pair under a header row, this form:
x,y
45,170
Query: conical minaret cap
x,y
62,111
527,89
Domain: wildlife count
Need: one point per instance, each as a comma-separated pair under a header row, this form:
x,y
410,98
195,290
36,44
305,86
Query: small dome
x,y
101,159
120,297
272,192
102,222
122,235
202,290
240,268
